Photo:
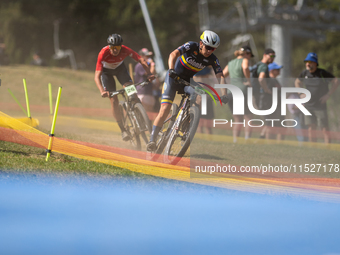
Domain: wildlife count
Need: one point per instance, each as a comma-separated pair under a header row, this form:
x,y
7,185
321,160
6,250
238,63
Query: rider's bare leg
x,y
158,122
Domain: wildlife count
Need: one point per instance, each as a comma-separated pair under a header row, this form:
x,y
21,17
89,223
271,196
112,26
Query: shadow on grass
x,y
206,156
15,152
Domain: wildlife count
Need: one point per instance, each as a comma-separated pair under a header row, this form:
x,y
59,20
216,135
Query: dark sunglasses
x,y
209,48
272,56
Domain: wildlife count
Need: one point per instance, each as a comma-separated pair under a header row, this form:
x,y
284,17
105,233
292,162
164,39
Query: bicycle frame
x,y
138,124
130,103
182,111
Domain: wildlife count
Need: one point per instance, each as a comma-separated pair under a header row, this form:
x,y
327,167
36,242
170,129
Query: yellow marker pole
x,y
15,99
27,102
51,135
131,73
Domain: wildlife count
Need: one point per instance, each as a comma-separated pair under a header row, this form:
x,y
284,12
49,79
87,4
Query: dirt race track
x,y
99,140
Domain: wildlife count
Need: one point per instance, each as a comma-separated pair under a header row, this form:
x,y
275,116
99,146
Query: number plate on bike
x,y
130,90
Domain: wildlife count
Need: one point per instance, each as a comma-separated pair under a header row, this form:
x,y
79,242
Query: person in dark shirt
x,y
316,81
260,86
267,101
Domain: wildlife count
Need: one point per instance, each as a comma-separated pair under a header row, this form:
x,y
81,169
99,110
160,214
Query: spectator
x,y
316,80
266,102
298,117
145,93
238,70
263,75
37,60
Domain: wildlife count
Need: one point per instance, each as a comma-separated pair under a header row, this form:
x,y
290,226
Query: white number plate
x,y
130,90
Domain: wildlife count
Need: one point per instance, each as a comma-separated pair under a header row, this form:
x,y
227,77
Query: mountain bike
x,y
134,116
179,128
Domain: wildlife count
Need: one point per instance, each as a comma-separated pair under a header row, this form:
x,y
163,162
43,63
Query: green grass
x,y
79,88
16,157
28,164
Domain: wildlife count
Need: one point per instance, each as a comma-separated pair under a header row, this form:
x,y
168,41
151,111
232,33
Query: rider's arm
x,y
98,82
98,73
172,58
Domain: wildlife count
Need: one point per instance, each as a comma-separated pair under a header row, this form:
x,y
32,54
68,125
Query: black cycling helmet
x,y
115,40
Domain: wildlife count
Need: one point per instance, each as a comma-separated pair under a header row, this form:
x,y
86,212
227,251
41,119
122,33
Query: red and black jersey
x,y
107,60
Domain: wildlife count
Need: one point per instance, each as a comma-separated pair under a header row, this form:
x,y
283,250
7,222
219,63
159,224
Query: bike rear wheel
x,y
180,138
129,126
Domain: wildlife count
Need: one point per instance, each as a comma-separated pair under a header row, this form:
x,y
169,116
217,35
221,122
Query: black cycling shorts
x,y
170,87
109,83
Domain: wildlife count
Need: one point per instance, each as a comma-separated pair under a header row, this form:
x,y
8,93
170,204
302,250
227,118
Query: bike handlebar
x,y
122,91
185,83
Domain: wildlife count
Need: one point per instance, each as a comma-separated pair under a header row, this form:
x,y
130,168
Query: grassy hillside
x,y
79,88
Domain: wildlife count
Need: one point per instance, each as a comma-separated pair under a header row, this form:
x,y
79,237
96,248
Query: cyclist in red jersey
x,y
110,63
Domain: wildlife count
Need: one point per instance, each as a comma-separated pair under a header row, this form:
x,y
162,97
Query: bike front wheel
x,y
180,138
161,137
130,126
